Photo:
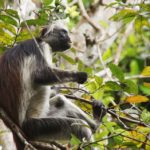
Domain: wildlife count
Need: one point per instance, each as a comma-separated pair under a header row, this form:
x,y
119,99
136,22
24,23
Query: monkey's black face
x,y
58,39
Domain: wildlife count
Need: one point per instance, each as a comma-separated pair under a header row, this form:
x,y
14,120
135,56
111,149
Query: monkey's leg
x,y
50,76
56,128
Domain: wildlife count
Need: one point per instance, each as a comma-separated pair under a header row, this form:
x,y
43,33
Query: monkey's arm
x,y
61,106
48,75
56,128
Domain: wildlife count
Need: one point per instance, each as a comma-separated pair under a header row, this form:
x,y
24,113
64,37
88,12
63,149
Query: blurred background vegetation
x,y
111,42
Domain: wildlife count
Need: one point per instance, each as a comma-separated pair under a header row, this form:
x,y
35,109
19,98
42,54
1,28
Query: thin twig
x,y
135,139
86,16
103,139
73,88
122,42
108,110
16,36
103,64
137,77
126,119
78,98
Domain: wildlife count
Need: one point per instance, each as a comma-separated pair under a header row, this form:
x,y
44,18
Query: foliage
x,y
126,92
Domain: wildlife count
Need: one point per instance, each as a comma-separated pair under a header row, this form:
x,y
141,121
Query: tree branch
x,y
15,129
86,16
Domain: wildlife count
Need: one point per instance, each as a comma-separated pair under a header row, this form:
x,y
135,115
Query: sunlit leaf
x,y
146,84
92,86
137,99
144,6
141,22
107,54
146,116
46,2
113,85
98,80
8,27
98,94
1,3
134,67
127,15
146,71
74,140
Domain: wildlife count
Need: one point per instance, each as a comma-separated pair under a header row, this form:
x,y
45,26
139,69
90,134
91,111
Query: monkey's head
x,y
57,37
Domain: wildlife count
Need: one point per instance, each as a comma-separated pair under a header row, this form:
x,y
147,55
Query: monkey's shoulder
x,y
25,48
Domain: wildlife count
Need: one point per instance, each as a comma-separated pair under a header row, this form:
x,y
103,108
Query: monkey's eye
x,y
64,31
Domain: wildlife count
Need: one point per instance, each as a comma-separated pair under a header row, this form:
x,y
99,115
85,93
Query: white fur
x,y
34,101
47,53
56,24
27,91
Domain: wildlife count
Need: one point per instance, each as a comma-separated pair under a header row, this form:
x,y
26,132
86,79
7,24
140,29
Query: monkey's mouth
x,y
61,45
65,45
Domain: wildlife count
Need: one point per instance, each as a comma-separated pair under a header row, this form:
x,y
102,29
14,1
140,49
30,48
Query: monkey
x,y
26,75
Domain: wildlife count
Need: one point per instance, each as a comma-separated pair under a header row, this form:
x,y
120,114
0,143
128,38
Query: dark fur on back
x,y
10,76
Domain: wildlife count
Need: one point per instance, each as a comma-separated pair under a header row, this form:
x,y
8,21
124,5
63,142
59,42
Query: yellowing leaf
x,y
146,84
146,71
137,99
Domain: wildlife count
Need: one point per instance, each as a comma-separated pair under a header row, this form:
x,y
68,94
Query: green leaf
x,y
107,54
98,94
132,145
8,27
34,22
129,86
144,6
145,90
74,140
47,2
113,85
12,13
92,86
116,71
98,80
8,19
127,15
1,3
146,116
134,67
68,58
141,22
81,65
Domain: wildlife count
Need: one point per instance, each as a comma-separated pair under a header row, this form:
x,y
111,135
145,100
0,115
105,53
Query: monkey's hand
x,y
99,110
81,77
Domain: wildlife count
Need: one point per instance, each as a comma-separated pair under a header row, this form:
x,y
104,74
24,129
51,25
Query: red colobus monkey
x,y
25,75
